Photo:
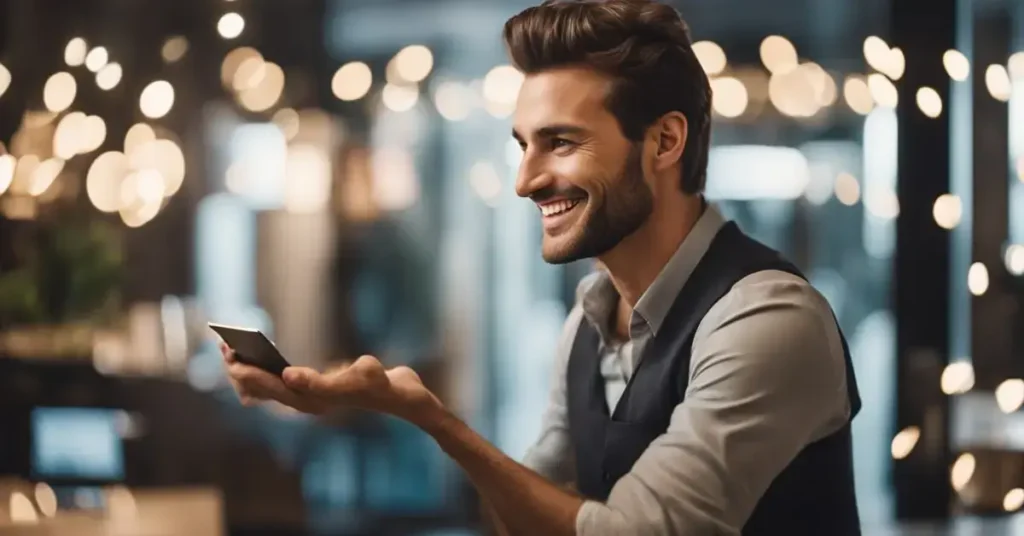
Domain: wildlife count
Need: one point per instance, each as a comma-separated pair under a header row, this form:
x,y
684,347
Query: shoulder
x,y
771,320
768,294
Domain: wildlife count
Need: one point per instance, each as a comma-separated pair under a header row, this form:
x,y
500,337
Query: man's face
x,y
586,178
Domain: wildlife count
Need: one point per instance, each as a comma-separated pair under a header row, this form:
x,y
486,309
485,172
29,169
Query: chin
x,y
560,250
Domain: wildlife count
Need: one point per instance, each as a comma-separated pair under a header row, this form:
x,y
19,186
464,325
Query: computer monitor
x,y
77,445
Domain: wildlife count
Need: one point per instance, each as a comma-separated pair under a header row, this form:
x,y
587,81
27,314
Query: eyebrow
x,y
552,131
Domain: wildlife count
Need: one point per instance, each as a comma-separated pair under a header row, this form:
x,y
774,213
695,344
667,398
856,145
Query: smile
x,y
558,207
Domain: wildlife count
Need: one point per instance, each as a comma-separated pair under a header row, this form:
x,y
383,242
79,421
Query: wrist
x,y
426,413
432,417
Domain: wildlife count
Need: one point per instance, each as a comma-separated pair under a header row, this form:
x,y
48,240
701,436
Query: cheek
x,y
584,172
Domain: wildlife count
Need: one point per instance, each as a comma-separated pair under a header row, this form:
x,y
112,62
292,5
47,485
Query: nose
x,y
531,177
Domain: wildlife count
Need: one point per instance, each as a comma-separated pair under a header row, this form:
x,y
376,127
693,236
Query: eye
x,y
561,144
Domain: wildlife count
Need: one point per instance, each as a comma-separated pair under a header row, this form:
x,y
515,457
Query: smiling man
x,y
702,386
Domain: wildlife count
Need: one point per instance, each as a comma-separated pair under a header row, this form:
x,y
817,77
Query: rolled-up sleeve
x,y
767,377
551,455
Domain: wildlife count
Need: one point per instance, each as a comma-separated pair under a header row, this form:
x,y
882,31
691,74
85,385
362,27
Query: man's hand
x,y
524,503
365,384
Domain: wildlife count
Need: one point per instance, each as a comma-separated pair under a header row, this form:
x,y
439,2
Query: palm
x,y
365,384
368,385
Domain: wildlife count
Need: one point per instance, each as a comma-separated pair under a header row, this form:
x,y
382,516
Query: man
x,y
703,386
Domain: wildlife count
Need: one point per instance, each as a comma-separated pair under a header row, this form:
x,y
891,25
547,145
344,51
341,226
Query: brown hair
x,y
643,45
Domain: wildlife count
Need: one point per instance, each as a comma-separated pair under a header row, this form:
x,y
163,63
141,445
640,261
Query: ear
x,y
669,135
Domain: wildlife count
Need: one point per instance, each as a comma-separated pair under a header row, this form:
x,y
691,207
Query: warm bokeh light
x,y
1015,66
78,134
847,189
778,54
962,471
44,175
96,59
59,92
164,157
138,135
958,67
103,181
412,64
904,442
1013,257
308,185
139,214
69,136
486,182
400,98
174,49
109,76
453,100
145,186
882,203
157,99
883,91
230,25
287,119
249,74
23,173
947,211
729,96
1010,395
75,51
793,93
957,378
232,61
7,166
501,89
711,57
896,65
824,85
5,79
997,80
94,133
120,501
352,81
1013,500
977,279
266,92
858,95
21,510
929,102
46,499
876,52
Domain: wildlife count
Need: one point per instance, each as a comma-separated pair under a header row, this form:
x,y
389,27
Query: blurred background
x,y
338,174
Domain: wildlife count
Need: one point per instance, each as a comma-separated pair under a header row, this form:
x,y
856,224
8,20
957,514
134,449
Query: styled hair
x,y
643,46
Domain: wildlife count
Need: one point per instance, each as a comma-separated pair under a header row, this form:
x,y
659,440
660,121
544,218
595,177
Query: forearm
x,y
525,503
491,522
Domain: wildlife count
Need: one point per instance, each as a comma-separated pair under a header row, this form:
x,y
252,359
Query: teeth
x,y
558,207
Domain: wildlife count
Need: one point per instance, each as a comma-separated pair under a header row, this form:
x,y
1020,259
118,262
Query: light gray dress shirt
x,y
767,377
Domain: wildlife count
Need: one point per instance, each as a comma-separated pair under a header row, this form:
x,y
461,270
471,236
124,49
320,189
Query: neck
x,y
637,260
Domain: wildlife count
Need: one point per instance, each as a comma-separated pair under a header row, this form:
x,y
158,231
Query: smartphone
x,y
252,347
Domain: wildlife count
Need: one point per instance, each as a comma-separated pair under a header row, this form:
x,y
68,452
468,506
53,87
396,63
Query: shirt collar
x,y
597,295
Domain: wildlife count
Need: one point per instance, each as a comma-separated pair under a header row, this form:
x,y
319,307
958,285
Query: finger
x,y
307,380
227,352
252,380
257,383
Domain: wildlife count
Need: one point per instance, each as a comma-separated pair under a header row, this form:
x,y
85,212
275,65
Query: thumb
x,y
306,380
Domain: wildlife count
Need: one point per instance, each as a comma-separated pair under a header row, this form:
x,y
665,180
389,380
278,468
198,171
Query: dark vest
x,y
814,495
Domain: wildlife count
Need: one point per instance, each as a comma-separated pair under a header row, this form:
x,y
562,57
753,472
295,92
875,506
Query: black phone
x,y
252,347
